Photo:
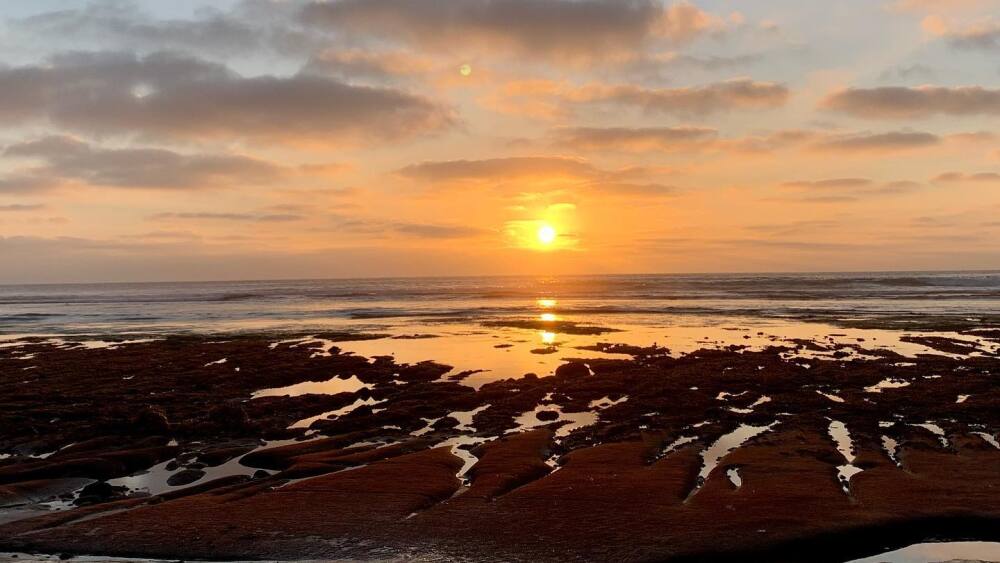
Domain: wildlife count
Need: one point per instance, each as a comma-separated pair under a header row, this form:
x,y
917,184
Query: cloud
x,y
630,190
740,93
66,159
736,94
982,35
907,72
845,190
877,142
925,5
899,102
499,169
249,28
553,30
171,96
961,177
538,172
164,236
352,64
547,99
379,228
633,139
770,142
794,228
241,217
662,67
833,183
698,140
20,207
420,230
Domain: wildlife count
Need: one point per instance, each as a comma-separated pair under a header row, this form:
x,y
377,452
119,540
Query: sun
x,y
546,235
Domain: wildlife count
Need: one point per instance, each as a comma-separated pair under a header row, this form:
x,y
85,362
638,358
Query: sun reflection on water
x,y
548,337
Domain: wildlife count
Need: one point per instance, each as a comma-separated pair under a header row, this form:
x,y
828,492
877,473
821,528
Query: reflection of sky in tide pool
x,y
543,337
511,352
457,313
939,552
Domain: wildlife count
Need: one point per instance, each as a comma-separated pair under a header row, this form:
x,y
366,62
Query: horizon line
x,y
482,276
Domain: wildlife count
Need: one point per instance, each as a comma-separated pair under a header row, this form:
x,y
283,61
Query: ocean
x,y
512,325
901,300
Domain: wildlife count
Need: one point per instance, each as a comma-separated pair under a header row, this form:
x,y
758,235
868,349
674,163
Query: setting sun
x,y
546,234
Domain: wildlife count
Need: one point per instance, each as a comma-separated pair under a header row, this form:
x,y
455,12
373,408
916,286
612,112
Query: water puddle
x,y
886,384
307,422
529,420
464,418
606,402
426,429
936,430
989,439
832,397
675,445
331,386
755,404
891,447
842,438
939,552
468,460
734,477
722,447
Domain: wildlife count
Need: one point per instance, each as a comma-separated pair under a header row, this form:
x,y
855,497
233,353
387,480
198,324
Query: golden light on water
x,y
548,317
548,337
546,234
546,303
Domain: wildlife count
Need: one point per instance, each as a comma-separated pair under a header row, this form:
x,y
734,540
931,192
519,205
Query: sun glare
x,y
546,234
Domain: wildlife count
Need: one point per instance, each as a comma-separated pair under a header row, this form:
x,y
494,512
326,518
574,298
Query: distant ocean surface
x,y
923,300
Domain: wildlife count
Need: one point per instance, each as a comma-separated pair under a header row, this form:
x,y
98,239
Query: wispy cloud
x,y
877,142
239,217
633,139
546,98
961,177
900,102
67,159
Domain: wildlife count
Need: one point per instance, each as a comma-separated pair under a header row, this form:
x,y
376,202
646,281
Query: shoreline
x,y
450,466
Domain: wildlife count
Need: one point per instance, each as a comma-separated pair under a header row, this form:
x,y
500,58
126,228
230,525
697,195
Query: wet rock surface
x,y
607,459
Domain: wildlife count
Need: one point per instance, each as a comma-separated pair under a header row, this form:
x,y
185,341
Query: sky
x,y
265,139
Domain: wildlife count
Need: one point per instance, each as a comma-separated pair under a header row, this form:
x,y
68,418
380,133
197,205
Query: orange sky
x,y
276,139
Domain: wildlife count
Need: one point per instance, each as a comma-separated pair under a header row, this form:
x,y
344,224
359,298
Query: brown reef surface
x,y
718,455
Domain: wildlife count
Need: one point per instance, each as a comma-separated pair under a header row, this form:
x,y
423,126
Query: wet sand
x,y
223,447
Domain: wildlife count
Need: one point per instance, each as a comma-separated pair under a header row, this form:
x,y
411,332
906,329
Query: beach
x,y
815,417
